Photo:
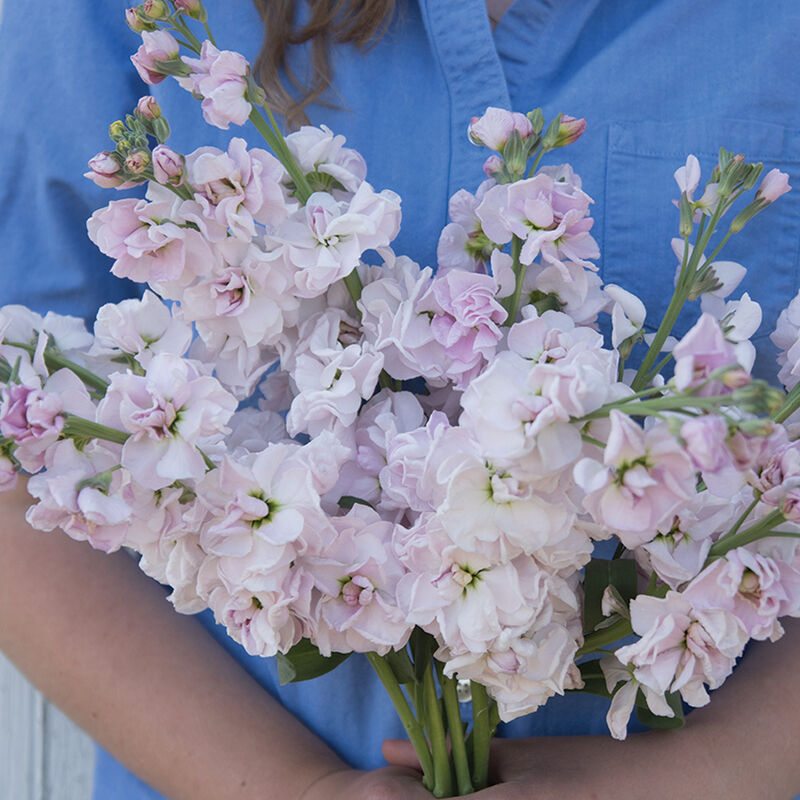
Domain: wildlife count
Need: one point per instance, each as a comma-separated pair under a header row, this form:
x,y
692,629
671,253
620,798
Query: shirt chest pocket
x,y
640,220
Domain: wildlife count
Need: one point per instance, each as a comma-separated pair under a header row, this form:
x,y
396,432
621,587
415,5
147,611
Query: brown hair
x,y
357,22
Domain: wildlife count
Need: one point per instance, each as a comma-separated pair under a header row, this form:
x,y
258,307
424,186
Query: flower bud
x,y
104,170
148,107
194,8
774,184
736,377
137,162
167,165
570,130
136,23
117,130
154,9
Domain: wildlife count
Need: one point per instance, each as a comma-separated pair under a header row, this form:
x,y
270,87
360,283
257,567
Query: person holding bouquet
x,y
179,704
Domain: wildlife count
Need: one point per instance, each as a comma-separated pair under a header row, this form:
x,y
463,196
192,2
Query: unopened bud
x,y
613,603
763,428
736,377
759,398
154,9
494,167
104,170
117,130
148,107
687,213
167,165
194,9
136,23
536,118
774,184
515,154
137,162
570,130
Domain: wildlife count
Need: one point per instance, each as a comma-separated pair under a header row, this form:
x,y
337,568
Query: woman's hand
x,y
742,746
389,783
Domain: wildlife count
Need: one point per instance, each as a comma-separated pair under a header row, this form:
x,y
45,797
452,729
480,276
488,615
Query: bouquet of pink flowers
x,y
432,455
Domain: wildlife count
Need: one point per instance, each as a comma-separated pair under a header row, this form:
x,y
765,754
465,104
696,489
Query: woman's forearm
x,y
99,638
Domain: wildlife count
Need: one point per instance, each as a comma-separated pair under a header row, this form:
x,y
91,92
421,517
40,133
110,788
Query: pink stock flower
x,y
167,165
699,353
754,588
28,414
141,328
148,246
496,125
73,496
221,78
169,413
319,150
156,46
238,188
355,575
324,240
773,185
681,648
786,338
549,212
645,478
332,379
466,320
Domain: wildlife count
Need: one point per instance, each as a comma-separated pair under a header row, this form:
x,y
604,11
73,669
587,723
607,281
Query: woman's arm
x,y
99,638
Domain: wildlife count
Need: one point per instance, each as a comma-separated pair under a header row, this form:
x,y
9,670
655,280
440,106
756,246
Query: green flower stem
x,y
55,361
511,304
599,639
643,408
209,34
414,730
481,736
456,727
434,725
744,515
535,164
790,405
276,142
354,287
80,428
761,530
194,43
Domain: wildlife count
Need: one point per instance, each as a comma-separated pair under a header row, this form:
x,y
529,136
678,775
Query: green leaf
x,y
647,717
594,681
304,662
600,572
348,501
423,646
401,665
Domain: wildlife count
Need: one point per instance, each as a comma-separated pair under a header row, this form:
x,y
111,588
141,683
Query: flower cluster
x,y
430,454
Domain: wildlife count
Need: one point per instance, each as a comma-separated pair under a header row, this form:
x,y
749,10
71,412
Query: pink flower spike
x,y
774,184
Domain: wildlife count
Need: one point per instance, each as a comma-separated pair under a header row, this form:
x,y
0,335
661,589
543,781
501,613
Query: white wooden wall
x,y
43,756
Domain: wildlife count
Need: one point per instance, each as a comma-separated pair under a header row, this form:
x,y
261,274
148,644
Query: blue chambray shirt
x,y
655,80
